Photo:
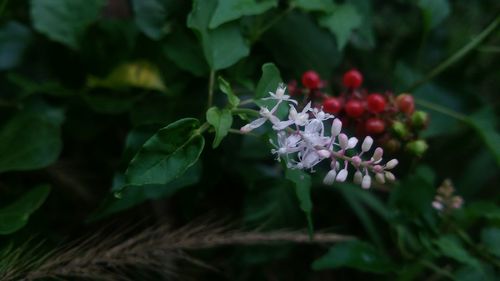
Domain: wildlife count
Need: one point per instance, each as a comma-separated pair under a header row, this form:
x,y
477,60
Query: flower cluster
x,y
303,141
445,200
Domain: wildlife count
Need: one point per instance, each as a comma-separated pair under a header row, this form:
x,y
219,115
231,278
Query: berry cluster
x,y
391,120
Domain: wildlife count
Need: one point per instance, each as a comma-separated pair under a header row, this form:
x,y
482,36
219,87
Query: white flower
x,y
299,118
279,95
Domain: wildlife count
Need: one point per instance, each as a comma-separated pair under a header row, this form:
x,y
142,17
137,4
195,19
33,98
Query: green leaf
x,y
342,22
354,254
65,21
302,183
485,209
484,123
221,120
304,45
364,216
225,87
490,237
31,139
167,154
272,204
223,46
131,197
151,16
450,246
15,216
434,12
314,5
228,10
185,52
14,39
269,81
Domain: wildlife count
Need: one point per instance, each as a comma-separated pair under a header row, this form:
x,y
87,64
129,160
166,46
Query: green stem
x,y
202,128
442,109
245,102
489,49
271,23
211,83
437,269
458,55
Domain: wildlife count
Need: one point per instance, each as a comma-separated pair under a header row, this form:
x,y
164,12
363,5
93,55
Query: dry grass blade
x,y
156,250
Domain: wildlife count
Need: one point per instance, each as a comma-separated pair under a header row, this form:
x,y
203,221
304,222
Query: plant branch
x,y
462,52
211,82
442,109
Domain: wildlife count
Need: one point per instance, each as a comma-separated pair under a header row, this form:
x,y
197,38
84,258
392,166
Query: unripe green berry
x,y
399,128
419,119
417,147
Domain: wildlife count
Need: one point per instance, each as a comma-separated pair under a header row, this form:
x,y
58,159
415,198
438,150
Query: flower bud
x,y
437,205
323,153
358,177
391,164
356,161
367,144
342,175
377,154
336,127
379,177
366,182
343,141
352,142
389,176
330,177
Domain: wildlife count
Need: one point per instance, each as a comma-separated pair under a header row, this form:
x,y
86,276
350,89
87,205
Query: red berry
x,y
405,103
354,108
311,79
332,105
352,79
374,126
375,103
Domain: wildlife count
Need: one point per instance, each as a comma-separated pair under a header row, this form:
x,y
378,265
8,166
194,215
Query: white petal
x,y
253,125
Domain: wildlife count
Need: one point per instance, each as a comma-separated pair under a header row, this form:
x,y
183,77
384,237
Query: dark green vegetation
x,y
102,124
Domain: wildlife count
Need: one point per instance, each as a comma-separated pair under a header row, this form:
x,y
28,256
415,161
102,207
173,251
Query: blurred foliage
x,y
103,104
